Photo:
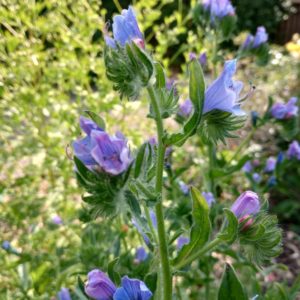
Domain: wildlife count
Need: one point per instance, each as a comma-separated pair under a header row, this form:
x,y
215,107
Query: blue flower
x,y
6,245
99,286
248,41
110,152
140,255
294,150
64,294
247,168
83,147
270,164
256,177
260,37
184,188
209,197
272,181
125,30
181,241
218,8
223,93
132,289
285,111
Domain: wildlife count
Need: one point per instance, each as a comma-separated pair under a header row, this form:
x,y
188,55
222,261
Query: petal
x,y
82,150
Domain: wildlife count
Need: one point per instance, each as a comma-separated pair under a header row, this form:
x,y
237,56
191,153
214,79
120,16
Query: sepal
x,y
129,68
218,125
229,233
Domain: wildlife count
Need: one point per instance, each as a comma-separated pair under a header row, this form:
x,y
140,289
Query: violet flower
x,y
223,93
285,111
203,59
218,8
256,177
125,30
181,241
140,255
209,197
184,188
270,164
99,286
64,294
6,245
82,147
57,220
294,150
247,168
132,289
246,204
248,41
260,37
186,108
111,152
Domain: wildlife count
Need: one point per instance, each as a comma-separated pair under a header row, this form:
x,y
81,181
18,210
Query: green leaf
x,y
139,160
160,76
133,204
196,91
113,275
151,281
231,288
201,228
96,118
80,284
230,232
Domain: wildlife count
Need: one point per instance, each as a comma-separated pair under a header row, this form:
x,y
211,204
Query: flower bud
x,y
99,286
247,224
64,294
246,204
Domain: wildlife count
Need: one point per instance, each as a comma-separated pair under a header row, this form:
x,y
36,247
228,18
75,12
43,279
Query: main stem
x,y
163,245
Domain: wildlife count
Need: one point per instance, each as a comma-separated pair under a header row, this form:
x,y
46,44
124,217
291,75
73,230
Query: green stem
x,y
150,223
202,251
212,163
163,245
243,144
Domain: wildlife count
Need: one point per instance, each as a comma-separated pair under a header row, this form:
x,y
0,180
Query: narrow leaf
x,y
96,118
139,160
201,226
231,288
229,233
160,76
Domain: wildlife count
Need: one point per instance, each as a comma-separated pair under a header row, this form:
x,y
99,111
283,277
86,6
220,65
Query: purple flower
x,y
186,108
82,147
6,245
256,177
294,150
140,255
110,152
270,164
181,241
184,188
64,294
218,8
140,230
99,286
223,93
125,30
132,289
248,41
209,197
246,204
247,168
192,55
285,111
203,58
260,37
57,220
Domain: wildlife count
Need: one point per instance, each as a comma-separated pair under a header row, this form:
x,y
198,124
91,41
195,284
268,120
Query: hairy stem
x,y
197,254
163,245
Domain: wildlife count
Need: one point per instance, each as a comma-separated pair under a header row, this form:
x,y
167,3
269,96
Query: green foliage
x,y
231,288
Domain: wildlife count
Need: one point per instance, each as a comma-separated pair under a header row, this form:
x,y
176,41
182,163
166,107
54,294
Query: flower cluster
x,y
260,38
218,8
125,30
282,111
100,151
100,287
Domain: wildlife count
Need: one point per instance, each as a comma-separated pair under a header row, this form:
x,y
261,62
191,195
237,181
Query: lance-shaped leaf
x,y
197,92
96,118
230,230
231,288
160,76
201,227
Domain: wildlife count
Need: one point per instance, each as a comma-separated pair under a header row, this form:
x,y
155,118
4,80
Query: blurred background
x,y
52,70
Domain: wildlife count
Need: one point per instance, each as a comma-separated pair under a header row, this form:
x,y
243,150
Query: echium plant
x,y
120,182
